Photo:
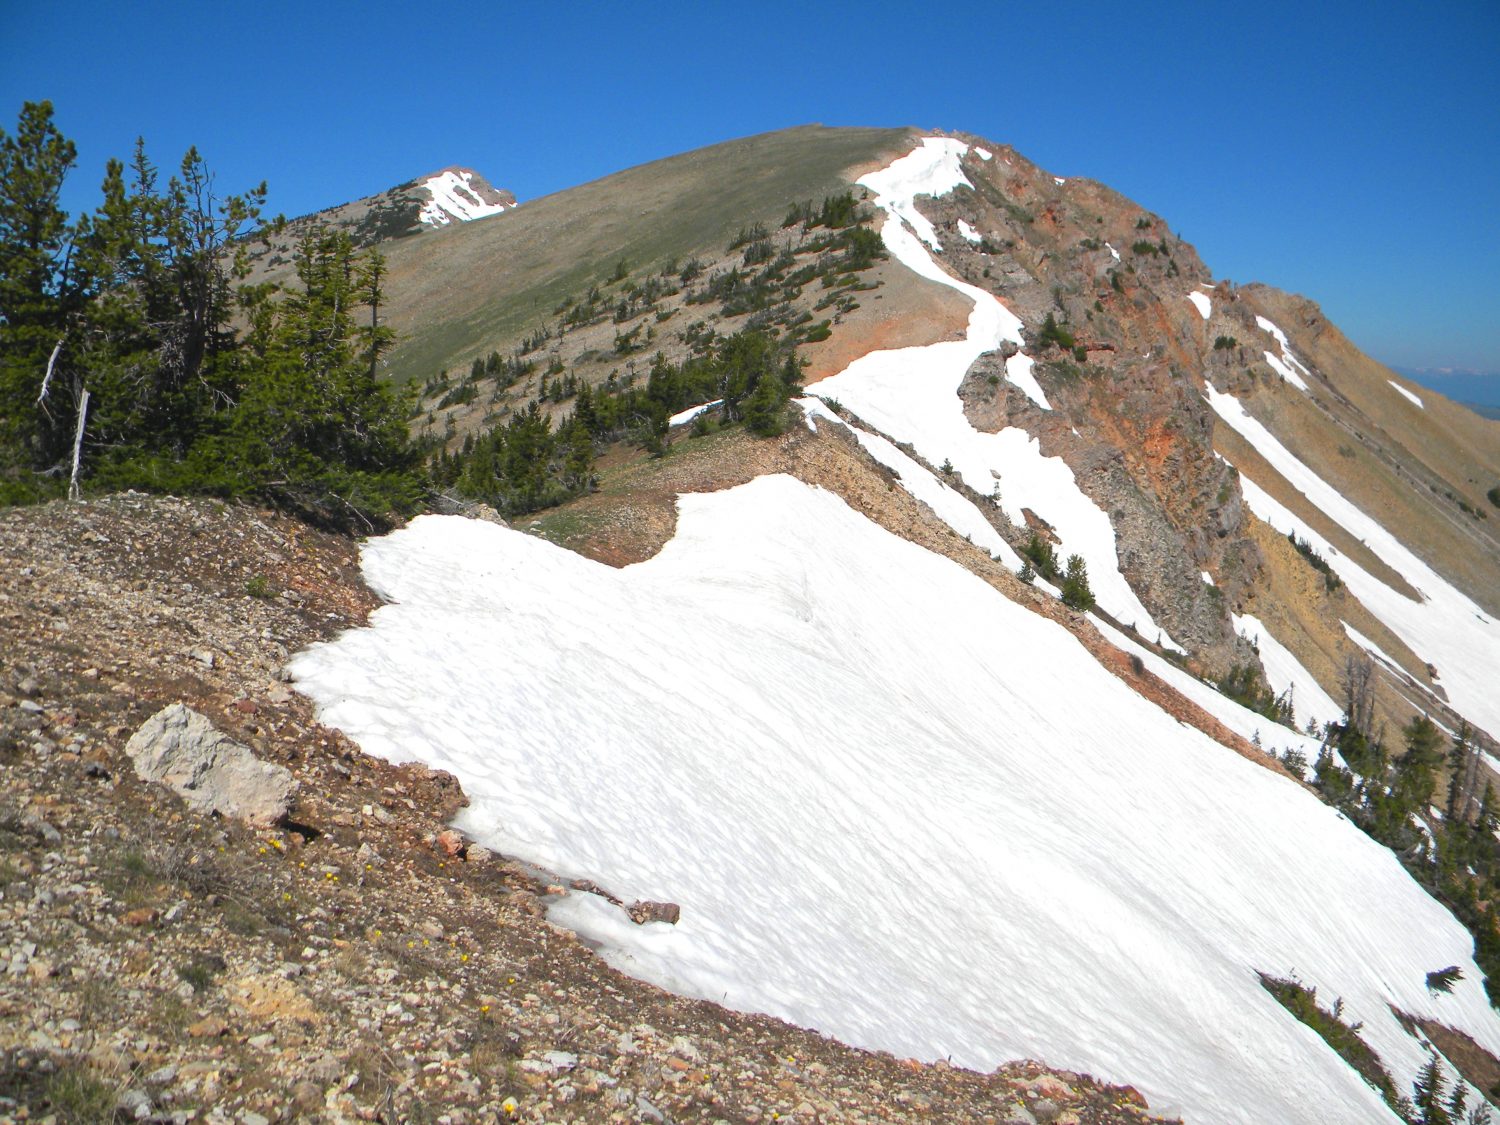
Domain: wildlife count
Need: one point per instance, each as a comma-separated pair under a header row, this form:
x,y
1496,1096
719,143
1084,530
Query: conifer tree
x,y
1427,1095
37,295
1075,585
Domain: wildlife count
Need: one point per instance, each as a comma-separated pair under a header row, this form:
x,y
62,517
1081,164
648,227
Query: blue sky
x,y
1347,151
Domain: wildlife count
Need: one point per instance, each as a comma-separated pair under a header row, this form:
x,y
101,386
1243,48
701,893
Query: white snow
x,y
952,507
1059,181
1207,577
1202,303
454,197
1284,671
1286,372
892,804
1287,361
983,153
968,232
1377,652
910,394
1444,628
684,416
932,169
1250,725
1113,252
1406,394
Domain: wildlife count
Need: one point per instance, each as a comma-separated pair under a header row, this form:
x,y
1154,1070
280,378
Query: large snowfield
x,y
894,805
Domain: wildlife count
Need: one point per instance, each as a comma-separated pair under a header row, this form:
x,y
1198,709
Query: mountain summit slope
x,y
915,800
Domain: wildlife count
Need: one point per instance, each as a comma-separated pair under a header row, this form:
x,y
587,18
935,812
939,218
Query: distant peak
x,y
460,195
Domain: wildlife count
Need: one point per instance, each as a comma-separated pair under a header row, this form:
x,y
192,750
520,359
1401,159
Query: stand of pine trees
x,y
1455,856
525,464
134,355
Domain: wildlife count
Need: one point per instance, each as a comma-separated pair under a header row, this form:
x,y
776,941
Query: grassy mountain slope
x,y
460,292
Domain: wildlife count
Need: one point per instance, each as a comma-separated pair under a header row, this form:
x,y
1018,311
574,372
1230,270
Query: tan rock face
x,y
179,748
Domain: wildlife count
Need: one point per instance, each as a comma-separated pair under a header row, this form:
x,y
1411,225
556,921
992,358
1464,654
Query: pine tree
x,y
1458,1101
315,428
1416,771
1075,585
765,409
37,297
1427,1095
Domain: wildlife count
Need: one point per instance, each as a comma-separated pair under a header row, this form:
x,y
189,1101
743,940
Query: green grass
x,y
79,1095
516,268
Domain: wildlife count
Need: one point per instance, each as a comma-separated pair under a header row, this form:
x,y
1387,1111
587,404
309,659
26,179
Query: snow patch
x,y
843,732
949,505
684,416
1285,372
1284,672
1406,394
1058,180
968,232
1208,578
454,197
1201,302
983,153
1113,252
1284,365
932,169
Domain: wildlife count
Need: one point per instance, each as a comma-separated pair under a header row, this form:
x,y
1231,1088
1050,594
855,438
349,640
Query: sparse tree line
x,y
135,354
525,464
1446,841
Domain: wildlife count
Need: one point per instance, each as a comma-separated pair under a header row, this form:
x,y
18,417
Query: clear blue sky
x,y
1347,151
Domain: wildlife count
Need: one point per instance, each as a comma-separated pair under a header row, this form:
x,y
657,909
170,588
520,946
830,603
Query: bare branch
x,y
47,378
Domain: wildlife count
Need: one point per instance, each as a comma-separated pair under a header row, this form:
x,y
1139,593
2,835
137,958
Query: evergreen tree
x,y
1416,770
1042,556
1075,585
1427,1095
37,296
315,428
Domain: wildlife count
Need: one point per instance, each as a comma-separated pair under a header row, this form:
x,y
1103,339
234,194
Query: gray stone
x,y
135,1103
181,749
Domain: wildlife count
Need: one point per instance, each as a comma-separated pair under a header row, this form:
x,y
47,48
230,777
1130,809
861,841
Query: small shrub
x,y
259,586
1344,1038
1054,333
1443,980
76,1092
1144,247
1225,344
1041,555
1494,495
200,972
1331,581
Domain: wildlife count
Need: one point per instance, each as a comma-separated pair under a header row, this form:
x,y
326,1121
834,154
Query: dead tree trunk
x,y
83,410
